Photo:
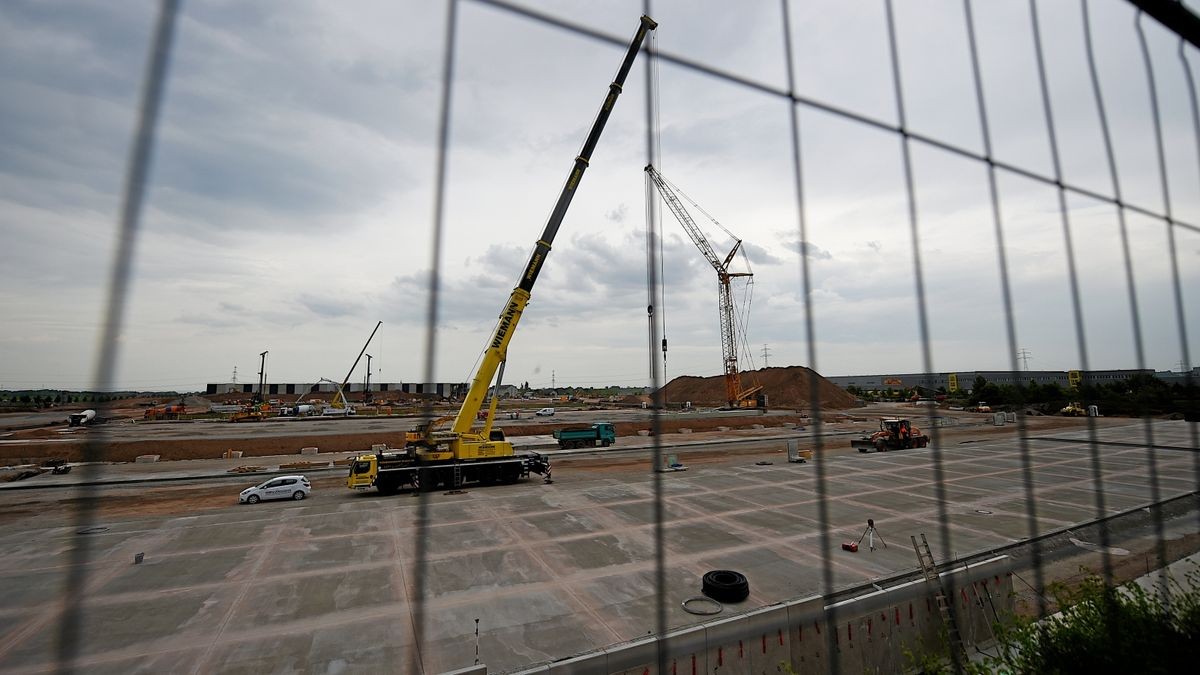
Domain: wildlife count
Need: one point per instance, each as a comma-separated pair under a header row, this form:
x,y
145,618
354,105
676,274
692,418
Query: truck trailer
x,y
600,433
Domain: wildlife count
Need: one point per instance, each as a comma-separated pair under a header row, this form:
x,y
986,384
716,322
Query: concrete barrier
x,y
311,450
685,430
146,459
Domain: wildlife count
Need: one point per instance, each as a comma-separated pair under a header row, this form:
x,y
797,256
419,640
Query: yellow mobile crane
x,y
464,453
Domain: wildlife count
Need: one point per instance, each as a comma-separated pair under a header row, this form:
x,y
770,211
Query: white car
x,y
545,412
282,487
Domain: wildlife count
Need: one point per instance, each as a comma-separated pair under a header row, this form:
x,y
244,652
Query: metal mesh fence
x,y
1105,201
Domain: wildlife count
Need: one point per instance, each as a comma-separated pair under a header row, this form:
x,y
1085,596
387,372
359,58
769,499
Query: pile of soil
x,y
785,388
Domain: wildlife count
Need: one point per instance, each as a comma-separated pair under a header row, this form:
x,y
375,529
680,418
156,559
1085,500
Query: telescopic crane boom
x,y
461,441
735,396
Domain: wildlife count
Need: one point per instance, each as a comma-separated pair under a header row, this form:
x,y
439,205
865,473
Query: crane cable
x,y
656,137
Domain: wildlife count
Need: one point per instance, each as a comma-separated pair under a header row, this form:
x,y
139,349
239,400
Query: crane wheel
x,y
725,586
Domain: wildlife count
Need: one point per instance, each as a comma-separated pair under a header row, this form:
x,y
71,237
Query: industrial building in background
x,y
964,379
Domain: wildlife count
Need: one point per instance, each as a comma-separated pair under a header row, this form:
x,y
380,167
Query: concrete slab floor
x,y
330,584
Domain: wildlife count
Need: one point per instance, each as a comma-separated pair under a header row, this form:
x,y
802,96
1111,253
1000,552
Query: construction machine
x,y
171,411
338,406
893,434
257,409
1073,409
731,335
466,452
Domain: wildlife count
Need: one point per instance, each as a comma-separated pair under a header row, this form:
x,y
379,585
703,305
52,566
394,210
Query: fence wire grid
x,y
1150,212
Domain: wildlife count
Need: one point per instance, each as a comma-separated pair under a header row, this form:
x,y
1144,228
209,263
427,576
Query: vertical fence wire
x,y
1130,283
1010,327
810,338
654,329
939,470
154,80
1180,317
1169,222
1076,298
422,527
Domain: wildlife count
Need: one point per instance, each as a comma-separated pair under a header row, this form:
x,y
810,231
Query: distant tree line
x,y
46,399
1141,394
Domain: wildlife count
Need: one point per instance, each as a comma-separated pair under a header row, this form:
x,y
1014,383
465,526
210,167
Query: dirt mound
x,y
784,387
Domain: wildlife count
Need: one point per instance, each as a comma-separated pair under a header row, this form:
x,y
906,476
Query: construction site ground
x,y
327,584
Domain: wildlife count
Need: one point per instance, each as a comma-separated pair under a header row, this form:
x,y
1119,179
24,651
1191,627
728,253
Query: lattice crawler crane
x,y
731,336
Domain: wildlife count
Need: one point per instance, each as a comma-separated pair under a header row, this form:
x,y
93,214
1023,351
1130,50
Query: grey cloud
x,y
809,249
759,255
618,214
329,308
210,321
588,272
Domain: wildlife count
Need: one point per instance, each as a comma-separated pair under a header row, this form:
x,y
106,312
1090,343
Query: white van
x,y
545,412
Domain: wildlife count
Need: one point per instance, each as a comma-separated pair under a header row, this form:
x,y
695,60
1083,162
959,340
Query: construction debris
x,y
247,469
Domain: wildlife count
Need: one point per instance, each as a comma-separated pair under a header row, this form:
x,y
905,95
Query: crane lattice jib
x,y
685,219
733,378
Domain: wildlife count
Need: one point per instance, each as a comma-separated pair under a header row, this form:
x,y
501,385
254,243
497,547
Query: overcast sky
x,y
290,202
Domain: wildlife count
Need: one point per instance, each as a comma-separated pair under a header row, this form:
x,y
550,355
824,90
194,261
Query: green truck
x,y
600,433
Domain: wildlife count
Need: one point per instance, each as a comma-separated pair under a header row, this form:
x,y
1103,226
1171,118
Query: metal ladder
x,y
958,654
457,483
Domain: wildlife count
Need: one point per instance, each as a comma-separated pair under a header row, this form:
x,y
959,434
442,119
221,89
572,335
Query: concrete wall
x,y
869,634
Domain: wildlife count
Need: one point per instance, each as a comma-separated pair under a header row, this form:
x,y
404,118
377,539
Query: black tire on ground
x,y
252,499
298,495
880,446
725,586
